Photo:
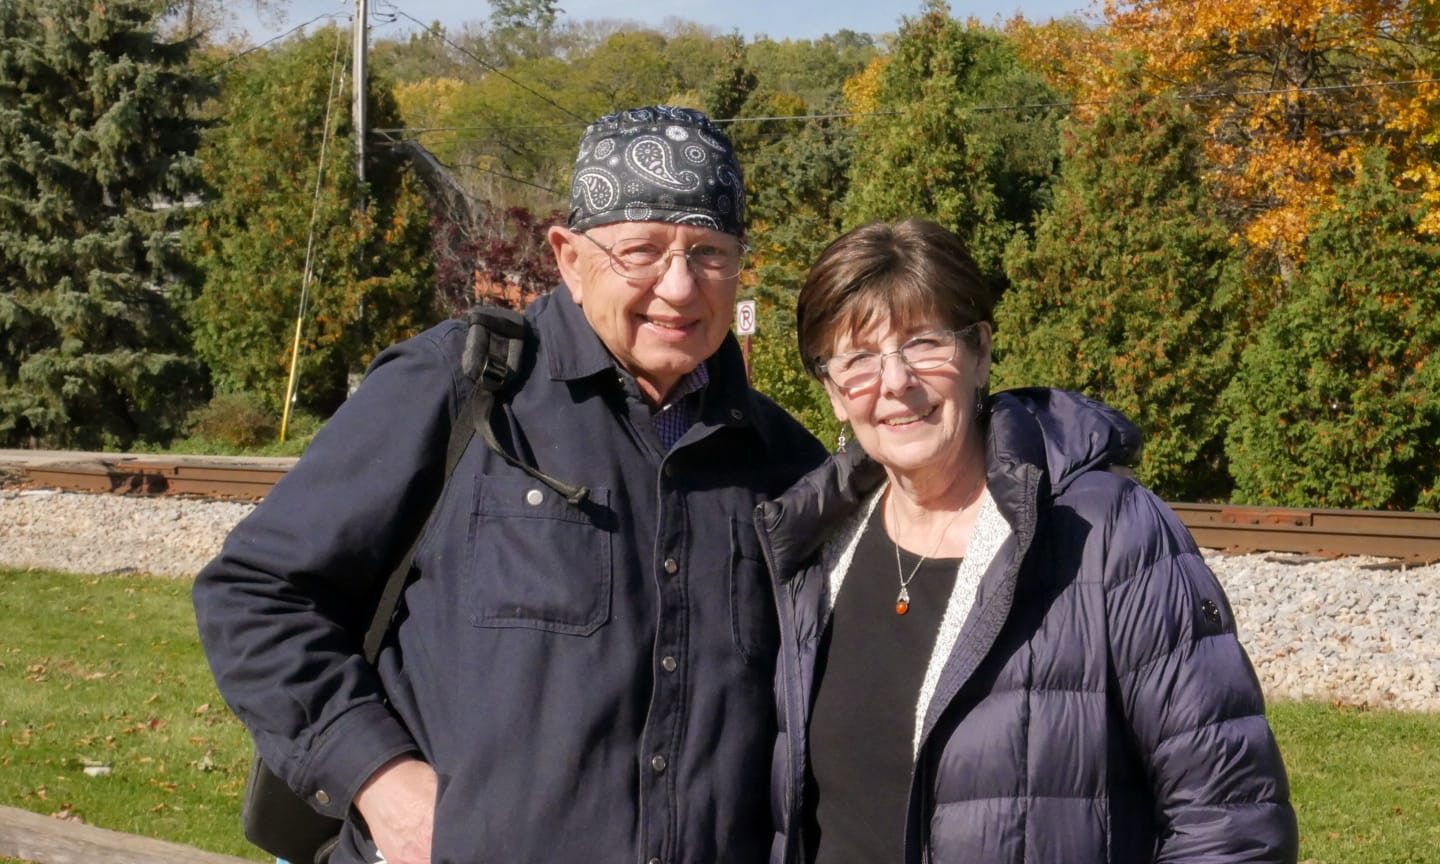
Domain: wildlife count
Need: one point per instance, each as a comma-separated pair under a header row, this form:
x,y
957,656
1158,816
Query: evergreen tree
x,y
1337,402
796,174
1121,294
96,161
931,146
372,277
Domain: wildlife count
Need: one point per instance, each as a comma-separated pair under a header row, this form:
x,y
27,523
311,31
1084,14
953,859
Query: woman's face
x,y
911,421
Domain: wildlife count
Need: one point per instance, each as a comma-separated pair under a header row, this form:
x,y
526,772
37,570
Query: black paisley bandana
x,y
657,164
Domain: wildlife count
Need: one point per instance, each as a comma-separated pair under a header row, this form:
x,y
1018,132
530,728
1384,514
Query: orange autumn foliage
x,y
1293,91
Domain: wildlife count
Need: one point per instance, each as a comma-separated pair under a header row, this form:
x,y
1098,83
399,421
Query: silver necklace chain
x,y
902,600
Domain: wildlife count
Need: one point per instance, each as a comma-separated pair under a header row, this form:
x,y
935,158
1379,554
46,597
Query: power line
x,y
391,142
337,85
272,40
1212,95
440,34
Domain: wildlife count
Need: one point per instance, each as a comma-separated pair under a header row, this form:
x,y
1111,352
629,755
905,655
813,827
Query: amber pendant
x,y
902,601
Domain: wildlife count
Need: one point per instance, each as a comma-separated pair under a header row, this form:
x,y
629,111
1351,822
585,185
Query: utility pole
x,y
361,30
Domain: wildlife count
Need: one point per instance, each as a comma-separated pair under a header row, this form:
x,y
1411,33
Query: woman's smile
x,y
908,419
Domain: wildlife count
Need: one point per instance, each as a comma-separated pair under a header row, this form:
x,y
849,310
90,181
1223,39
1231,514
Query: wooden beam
x,y
45,840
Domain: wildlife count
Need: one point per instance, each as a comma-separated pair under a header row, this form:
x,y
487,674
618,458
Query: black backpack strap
x,y
462,429
494,352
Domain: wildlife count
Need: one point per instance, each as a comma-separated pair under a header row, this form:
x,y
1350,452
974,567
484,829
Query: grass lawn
x,y
106,672
1366,784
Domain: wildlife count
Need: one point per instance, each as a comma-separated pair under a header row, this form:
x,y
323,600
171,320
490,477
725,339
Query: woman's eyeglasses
x,y
921,353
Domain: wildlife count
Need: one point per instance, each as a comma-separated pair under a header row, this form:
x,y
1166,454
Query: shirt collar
x,y
694,380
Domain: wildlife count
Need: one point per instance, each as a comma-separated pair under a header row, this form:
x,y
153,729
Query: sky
x,y
778,19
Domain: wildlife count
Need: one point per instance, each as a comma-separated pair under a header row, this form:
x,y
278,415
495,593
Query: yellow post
x,y
290,383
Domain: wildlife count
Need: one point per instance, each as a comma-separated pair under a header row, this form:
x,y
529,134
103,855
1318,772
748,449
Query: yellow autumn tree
x,y
429,105
1074,57
1293,92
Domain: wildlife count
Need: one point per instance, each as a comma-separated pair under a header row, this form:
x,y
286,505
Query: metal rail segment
x,y
1412,538
248,478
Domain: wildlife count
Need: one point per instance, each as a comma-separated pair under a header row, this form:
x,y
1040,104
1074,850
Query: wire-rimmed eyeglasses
x,y
643,258
922,353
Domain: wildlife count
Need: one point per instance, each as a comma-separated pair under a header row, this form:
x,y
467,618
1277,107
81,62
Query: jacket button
x,y
737,414
669,664
322,797
672,566
654,861
658,763
534,497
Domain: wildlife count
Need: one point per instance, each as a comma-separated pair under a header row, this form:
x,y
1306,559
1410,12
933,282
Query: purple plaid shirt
x,y
678,413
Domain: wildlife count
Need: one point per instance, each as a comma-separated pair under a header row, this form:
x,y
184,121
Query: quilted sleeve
x,y
1191,698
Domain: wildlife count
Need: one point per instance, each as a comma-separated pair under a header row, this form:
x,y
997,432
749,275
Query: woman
x,y
994,649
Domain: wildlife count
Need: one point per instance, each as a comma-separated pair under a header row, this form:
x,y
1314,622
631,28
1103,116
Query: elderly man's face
x,y
659,327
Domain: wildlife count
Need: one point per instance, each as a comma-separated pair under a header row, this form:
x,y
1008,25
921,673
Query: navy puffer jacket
x,y
1089,702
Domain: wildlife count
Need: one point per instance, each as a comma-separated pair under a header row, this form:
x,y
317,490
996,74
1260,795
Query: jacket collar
x,y
560,322
820,503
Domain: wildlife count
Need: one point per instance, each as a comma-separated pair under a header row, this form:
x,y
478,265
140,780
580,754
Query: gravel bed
x,y
1339,630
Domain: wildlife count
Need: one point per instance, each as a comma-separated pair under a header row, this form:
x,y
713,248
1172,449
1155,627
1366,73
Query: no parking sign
x,y
745,316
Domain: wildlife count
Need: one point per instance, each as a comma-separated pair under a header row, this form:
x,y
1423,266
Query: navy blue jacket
x,y
1094,704
591,683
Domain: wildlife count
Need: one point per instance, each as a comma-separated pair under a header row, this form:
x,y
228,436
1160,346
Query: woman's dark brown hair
x,y
911,273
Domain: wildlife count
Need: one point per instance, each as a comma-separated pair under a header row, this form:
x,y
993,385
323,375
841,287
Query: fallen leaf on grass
x,y
202,710
68,814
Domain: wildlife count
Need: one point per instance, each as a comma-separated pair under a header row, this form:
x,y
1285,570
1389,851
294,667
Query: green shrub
x,y
1121,294
1337,402
237,420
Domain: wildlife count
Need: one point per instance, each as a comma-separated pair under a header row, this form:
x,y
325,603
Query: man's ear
x,y
563,242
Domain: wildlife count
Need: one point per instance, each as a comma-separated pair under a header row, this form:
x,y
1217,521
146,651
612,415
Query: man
x,y
565,682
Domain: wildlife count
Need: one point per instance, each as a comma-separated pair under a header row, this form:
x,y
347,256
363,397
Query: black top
x,y
868,674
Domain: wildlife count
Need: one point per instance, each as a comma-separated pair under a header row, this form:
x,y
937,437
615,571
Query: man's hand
x,y
398,803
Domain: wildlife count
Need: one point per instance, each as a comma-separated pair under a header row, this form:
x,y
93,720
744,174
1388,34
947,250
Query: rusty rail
x,y
205,476
1413,538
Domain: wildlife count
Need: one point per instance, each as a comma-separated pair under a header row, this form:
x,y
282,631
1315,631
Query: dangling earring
x,y
840,442
980,394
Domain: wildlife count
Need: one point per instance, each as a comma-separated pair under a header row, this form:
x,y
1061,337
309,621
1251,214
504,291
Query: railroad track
x,y
1405,538
243,478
